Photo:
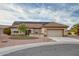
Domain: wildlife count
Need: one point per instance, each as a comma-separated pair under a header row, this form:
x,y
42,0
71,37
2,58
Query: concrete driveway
x,y
64,39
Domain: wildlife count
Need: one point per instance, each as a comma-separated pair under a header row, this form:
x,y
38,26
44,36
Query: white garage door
x,y
55,33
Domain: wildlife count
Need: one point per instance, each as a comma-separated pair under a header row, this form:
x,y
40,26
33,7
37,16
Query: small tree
x,y
22,28
76,29
7,31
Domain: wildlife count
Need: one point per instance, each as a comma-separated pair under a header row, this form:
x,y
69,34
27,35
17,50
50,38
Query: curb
x,y
11,49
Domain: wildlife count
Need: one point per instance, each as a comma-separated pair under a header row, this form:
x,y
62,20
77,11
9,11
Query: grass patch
x,y
22,37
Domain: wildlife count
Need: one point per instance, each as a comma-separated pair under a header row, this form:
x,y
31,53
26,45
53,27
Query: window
x,y
37,31
15,31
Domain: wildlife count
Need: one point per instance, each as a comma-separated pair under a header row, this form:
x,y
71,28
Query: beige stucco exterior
x,y
1,31
41,31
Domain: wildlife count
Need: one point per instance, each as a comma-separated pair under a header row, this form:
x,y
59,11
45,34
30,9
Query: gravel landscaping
x,y
22,37
5,42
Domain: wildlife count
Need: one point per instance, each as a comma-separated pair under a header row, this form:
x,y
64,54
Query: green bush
x,y
69,33
7,31
75,29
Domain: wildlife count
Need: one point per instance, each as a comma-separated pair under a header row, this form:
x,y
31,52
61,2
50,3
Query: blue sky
x,y
65,13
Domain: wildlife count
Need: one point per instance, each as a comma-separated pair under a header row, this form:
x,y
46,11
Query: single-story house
x,y
51,29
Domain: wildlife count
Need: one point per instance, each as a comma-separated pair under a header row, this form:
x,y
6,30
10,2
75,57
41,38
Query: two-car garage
x,y
54,29
55,32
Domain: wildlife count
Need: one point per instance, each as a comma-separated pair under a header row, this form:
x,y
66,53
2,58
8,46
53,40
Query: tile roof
x,y
20,22
38,24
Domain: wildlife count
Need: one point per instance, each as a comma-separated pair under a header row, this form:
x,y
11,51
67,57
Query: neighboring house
x,y
2,27
41,28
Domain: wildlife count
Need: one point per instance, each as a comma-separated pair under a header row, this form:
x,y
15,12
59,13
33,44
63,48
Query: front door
x,y
27,32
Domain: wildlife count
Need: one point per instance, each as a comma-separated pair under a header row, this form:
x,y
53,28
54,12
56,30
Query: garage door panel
x,y
55,33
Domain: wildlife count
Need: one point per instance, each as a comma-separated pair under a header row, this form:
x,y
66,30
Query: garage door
x,y
55,33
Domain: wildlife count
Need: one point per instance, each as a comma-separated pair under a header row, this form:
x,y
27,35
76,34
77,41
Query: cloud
x,y
10,13
61,13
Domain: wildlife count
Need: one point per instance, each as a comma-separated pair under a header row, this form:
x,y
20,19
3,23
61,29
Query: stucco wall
x,y
36,30
43,30
1,31
65,31
32,31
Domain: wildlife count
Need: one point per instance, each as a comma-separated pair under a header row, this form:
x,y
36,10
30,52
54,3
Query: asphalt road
x,y
49,50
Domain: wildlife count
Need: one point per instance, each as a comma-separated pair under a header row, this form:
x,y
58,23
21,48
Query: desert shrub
x,y
69,33
7,31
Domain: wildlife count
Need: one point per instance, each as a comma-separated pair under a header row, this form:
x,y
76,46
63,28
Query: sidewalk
x,y
64,39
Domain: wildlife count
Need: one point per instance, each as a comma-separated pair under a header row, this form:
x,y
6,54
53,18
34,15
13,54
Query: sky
x,y
64,13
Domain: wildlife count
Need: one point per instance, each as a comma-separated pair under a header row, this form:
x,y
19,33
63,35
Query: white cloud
x,y
12,12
